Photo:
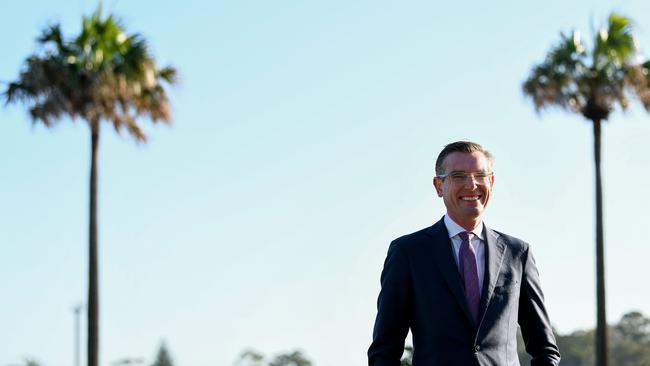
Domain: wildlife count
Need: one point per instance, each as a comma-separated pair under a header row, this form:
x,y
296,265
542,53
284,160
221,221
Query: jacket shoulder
x,y
414,236
412,241
515,244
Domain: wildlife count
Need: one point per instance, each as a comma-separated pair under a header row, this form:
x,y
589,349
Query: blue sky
x,y
303,142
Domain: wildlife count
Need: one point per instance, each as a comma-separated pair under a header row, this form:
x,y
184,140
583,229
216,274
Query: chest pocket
x,y
506,284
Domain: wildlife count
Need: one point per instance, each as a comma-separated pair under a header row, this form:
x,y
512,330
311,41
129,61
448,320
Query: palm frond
x,y
101,74
168,74
556,81
52,34
638,79
566,80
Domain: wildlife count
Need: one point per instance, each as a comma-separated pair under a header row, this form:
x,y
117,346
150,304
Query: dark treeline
x,y
255,358
629,344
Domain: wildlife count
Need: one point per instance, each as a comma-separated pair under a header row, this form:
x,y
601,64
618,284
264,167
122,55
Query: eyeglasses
x,y
461,177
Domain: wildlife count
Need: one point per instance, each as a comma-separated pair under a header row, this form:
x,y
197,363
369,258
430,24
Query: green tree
x,y
591,83
101,75
577,348
250,358
295,358
254,358
163,358
629,340
31,362
634,327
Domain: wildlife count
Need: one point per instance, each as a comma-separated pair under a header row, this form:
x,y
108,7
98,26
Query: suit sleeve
x,y
533,319
393,310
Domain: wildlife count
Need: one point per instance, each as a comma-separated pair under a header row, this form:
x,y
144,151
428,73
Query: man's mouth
x,y
470,198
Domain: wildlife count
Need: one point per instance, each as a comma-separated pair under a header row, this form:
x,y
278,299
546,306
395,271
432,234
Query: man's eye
x,y
458,176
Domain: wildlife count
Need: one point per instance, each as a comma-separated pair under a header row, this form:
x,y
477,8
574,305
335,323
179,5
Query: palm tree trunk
x,y
601,316
93,286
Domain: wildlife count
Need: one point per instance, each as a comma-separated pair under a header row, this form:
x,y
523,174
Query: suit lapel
x,y
494,253
444,259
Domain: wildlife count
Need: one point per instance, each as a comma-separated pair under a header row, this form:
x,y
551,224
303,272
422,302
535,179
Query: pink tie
x,y
469,274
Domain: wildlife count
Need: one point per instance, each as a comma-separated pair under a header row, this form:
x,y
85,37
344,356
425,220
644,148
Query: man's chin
x,y
473,213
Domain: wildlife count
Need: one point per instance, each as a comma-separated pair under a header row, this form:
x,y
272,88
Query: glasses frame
x,y
473,175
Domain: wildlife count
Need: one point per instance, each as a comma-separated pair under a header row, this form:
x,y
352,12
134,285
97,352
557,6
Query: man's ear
x,y
437,183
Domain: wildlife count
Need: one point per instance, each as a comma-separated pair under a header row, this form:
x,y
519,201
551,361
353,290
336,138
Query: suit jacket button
x,y
477,348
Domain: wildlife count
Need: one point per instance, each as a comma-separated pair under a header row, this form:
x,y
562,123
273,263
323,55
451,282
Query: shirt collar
x,y
454,229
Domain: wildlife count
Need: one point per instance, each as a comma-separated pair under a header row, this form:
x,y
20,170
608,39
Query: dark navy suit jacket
x,y
421,290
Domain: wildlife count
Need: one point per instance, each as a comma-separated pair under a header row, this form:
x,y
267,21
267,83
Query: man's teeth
x,y
472,198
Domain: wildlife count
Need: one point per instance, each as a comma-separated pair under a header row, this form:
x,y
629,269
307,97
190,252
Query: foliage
x,y
31,362
102,73
629,340
591,82
251,358
163,358
294,358
633,327
254,358
407,359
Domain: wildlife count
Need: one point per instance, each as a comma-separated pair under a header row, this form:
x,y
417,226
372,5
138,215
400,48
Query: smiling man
x,y
459,286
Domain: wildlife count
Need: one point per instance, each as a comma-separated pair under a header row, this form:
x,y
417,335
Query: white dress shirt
x,y
476,240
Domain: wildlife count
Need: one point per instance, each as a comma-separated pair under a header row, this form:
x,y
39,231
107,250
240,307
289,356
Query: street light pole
x,y
77,312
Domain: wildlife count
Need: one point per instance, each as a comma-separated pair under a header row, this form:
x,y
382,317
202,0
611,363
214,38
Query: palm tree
x,y
103,74
592,83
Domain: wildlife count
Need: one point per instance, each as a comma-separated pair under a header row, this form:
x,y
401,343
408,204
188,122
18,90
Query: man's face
x,y
465,199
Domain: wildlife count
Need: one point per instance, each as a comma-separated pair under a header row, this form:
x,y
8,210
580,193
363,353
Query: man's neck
x,y
467,225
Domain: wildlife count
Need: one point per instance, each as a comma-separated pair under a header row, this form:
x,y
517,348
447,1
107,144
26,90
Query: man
x,y
461,287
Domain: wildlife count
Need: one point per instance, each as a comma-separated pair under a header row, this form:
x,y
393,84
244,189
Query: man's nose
x,y
471,181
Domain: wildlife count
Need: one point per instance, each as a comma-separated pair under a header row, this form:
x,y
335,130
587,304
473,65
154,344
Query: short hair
x,y
467,147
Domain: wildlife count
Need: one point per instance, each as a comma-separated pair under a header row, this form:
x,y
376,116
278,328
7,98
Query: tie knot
x,y
464,235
